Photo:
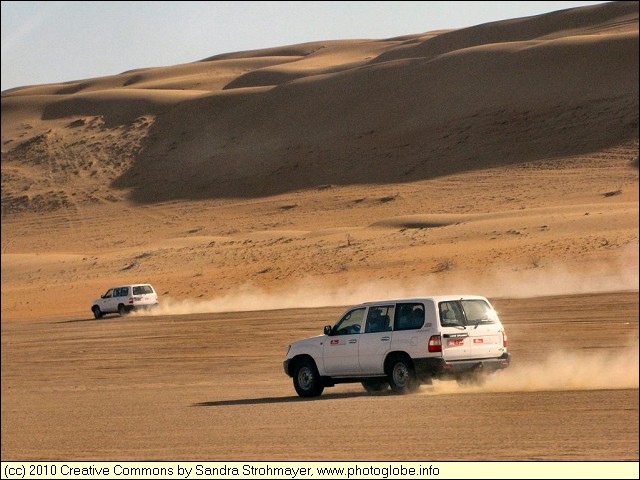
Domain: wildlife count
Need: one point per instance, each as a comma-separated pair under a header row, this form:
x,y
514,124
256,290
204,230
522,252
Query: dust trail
x,y
313,292
559,371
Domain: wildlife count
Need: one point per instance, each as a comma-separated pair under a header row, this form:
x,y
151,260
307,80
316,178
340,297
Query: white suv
x,y
401,344
125,298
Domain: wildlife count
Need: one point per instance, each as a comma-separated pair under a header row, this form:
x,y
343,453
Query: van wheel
x,y
375,385
122,310
306,379
402,376
96,312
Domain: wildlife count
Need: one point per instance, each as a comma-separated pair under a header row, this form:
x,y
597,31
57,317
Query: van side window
x,y
410,316
451,314
379,319
142,290
350,323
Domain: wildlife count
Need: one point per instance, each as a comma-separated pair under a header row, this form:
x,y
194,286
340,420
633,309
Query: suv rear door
x,y
456,344
485,330
143,295
376,340
470,330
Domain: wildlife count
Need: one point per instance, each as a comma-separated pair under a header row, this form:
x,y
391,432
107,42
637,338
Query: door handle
x,y
384,339
455,335
353,341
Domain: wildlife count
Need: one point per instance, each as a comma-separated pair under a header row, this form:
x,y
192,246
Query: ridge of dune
x,y
263,122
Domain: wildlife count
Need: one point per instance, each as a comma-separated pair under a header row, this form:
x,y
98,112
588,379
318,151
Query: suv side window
x,y
121,292
379,319
109,293
410,316
350,323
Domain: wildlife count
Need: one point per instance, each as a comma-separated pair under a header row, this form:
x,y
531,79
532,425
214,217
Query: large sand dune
x,y
500,159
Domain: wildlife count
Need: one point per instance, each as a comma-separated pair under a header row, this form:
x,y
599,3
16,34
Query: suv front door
x,y
107,301
341,346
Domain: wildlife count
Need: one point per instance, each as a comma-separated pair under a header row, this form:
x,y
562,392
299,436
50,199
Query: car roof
x,y
434,299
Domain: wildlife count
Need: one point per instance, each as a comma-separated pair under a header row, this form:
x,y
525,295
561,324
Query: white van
x,y
124,299
401,344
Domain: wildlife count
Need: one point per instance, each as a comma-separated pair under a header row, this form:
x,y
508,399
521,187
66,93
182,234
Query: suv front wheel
x,y
401,375
306,379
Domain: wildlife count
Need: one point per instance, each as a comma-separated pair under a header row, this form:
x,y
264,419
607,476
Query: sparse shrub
x,y
444,266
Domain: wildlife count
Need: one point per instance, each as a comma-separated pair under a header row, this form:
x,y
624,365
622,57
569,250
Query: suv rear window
x,y
409,316
142,290
465,312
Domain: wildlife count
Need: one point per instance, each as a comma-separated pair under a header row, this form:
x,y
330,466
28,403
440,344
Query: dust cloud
x,y
559,371
314,292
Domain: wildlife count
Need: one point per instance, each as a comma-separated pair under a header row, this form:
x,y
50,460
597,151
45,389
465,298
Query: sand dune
x,y
366,111
500,159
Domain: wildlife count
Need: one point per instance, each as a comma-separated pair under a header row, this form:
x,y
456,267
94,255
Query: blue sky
x,y
48,42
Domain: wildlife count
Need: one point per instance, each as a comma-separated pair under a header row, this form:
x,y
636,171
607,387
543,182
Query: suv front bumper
x,y
285,364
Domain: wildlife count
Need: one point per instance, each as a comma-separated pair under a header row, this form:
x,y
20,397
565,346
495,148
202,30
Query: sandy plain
x,y
261,192
211,387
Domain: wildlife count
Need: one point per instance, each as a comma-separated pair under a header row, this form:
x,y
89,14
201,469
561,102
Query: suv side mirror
x,y
327,329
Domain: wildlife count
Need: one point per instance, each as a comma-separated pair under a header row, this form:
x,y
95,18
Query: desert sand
x,y
261,192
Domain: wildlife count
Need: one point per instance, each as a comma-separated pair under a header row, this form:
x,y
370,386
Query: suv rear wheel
x,y
122,310
401,375
306,379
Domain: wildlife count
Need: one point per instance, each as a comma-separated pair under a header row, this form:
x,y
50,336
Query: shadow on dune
x,y
490,138
271,400
416,112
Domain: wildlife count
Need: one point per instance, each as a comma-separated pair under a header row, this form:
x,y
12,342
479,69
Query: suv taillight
x,y
504,339
435,343
130,300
